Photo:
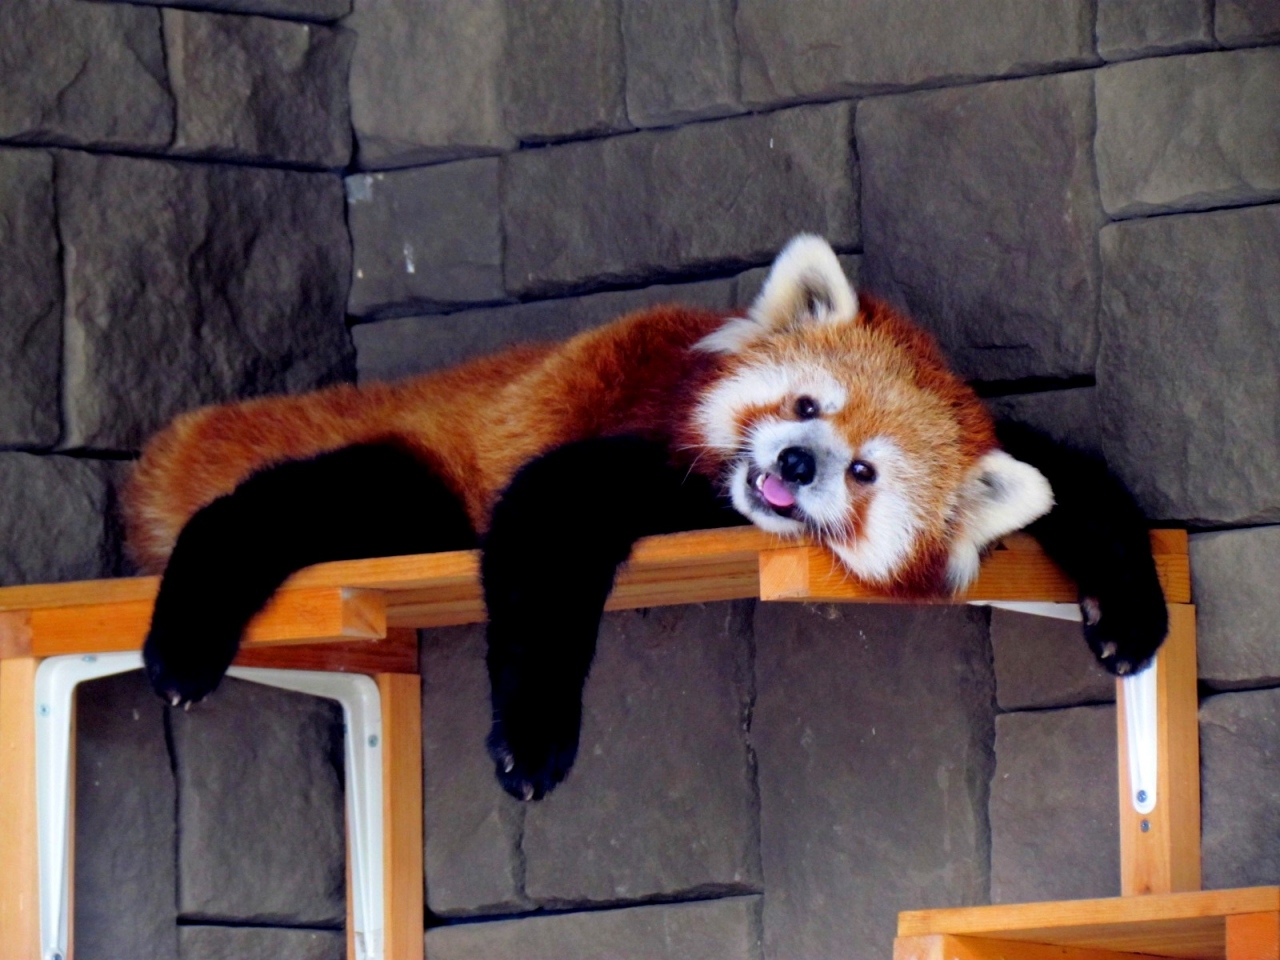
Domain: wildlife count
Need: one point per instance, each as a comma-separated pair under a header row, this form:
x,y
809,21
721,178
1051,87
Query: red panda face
x,y
844,424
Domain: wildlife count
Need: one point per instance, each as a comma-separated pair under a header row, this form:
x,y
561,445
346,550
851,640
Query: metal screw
x,y
89,658
1146,825
1142,796
373,739
55,956
44,709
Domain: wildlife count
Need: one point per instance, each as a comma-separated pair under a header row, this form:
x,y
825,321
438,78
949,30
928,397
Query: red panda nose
x,y
797,465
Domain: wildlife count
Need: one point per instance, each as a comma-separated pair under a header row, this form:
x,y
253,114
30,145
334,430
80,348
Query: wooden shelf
x,y
1208,925
356,601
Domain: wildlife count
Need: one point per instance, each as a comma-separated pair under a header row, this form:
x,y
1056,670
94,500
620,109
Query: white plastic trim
x,y
1141,736
56,682
1037,608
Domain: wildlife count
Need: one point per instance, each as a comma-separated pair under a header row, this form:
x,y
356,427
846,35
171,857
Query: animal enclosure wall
x,y
1078,198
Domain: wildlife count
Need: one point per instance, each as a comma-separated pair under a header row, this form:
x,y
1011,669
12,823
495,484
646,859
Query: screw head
x,y
44,709
373,739
89,658
1146,825
1142,796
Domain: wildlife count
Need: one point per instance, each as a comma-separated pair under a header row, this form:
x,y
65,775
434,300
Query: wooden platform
x,y
1209,925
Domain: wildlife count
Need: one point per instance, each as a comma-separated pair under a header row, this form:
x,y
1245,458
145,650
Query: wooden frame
x,y
357,615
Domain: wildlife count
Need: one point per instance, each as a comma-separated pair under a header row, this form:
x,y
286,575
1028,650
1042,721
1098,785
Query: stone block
x,y
661,800
564,69
30,301
1246,22
1233,577
998,256
873,730
682,61
261,835
254,89
1240,788
426,80
1190,346
124,827
1069,416
472,828
190,284
425,238
1041,662
1054,833
1188,133
608,211
726,929
261,943
318,10
83,73
806,51
54,519
1141,28
411,345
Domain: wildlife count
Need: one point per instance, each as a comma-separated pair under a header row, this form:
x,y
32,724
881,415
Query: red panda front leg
x,y
361,501
556,538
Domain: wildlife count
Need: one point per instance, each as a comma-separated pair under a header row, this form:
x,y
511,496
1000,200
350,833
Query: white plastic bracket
x,y
56,682
1141,736
1036,608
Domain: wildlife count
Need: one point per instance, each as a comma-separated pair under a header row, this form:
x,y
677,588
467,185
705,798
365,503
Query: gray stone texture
x,y
55,519
1234,577
250,88
1069,416
873,730
190,284
411,345
1140,28
124,831
1042,662
711,930
261,943
682,60
1245,22
426,80
261,834
990,241
320,10
563,71
661,800
1240,789
830,48
1188,133
1190,346
425,238
1054,833
472,828
83,73
605,211
30,300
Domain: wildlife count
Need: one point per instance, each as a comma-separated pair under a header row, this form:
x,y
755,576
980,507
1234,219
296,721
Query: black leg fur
x,y
1097,534
362,501
556,539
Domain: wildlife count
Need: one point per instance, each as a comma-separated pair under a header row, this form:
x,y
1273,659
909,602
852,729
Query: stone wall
x,y
1081,199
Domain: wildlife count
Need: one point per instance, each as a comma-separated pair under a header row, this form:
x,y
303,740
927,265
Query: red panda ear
x,y
999,495
805,285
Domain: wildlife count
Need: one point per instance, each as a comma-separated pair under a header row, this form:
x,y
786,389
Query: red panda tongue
x,y
776,492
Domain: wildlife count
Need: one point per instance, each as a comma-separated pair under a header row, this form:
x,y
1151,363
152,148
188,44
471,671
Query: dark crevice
x,y
702,894
990,389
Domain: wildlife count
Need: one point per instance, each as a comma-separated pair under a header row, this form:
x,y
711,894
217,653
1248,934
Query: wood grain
x,y
405,917
20,874
1253,936
943,946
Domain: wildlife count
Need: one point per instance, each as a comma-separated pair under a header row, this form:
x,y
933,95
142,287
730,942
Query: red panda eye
x,y
806,408
863,472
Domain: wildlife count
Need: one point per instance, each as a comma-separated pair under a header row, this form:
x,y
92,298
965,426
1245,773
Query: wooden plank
x,y
398,653
1253,936
405,916
1165,856
941,946
20,876
15,634
1184,925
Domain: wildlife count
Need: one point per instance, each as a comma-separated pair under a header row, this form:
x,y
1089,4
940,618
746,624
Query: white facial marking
x,y
891,524
762,385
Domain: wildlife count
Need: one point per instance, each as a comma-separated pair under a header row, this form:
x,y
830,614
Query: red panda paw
x,y
534,749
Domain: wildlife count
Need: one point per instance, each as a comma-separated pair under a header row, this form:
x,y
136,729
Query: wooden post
x,y
1253,936
20,873
402,865
1160,851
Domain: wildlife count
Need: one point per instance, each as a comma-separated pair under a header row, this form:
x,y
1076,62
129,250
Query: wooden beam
x,y
1160,850
397,653
402,855
1253,936
20,874
941,946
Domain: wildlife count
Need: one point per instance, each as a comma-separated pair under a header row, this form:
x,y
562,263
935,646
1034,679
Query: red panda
x,y
813,412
